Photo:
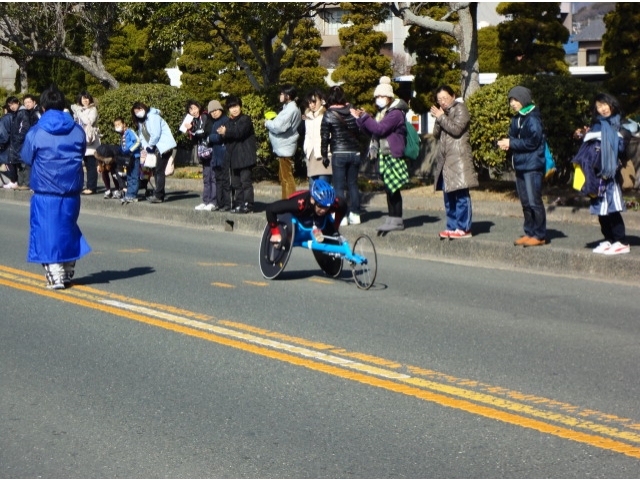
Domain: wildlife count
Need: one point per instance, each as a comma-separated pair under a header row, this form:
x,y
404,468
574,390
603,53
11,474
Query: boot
x,y
384,226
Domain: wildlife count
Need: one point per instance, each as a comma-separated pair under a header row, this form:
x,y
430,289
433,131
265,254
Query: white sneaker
x,y
354,219
210,207
202,206
10,185
617,249
344,222
603,247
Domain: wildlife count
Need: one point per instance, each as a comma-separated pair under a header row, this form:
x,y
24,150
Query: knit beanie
x,y
522,95
214,105
384,89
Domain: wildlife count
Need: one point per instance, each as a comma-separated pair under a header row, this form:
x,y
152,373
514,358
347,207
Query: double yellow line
x,y
563,420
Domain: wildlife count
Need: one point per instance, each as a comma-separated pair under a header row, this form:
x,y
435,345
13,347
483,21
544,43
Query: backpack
x,y
412,144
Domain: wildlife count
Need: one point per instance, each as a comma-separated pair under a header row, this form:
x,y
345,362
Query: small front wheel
x,y
364,272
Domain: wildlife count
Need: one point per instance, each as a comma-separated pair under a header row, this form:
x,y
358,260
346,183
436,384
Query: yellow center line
x,y
329,362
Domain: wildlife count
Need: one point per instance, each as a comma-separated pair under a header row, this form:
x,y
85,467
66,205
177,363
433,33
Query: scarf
x,y
609,144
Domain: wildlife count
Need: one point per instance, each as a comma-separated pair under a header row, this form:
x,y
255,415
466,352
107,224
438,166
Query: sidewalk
x,y
571,233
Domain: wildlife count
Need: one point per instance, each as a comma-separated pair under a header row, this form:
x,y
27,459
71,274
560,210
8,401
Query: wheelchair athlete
x,y
310,207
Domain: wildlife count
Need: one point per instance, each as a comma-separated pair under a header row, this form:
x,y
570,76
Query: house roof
x,y
593,31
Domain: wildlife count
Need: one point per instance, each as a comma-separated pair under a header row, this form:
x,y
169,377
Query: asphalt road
x,y
172,357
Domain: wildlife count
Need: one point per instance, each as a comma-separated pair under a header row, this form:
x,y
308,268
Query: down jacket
x,y
339,131
454,159
526,142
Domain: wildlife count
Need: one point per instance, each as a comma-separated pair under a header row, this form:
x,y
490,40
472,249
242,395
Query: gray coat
x,y
454,158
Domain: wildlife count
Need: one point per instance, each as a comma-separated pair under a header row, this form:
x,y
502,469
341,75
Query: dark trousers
x,y
92,173
243,186
223,184
24,174
612,227
159,175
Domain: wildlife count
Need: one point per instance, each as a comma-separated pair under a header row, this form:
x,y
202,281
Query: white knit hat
x,y
384,89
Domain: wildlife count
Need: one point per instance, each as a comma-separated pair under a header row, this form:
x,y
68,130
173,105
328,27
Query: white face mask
x,y
119,129
381,102
141,114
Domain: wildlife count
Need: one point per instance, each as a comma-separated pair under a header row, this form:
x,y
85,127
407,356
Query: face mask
x,y
118,129
381,102
141,114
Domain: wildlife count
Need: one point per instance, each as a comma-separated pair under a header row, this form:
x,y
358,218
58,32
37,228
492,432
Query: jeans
x,y
529,186
209,194
346,166
133,178
326,178
92,173
458,207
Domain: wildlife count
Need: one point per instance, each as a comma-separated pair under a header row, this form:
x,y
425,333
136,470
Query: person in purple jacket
x,y
388,133
54,148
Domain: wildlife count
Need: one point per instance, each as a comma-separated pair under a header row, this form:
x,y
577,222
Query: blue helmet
x,y
323,193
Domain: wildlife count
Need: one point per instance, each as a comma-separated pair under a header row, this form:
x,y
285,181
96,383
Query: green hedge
x,y
564,105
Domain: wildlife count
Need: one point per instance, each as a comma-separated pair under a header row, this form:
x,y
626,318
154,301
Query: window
x,y
593,58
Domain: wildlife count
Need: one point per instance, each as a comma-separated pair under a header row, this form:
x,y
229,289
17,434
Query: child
x,y
130,145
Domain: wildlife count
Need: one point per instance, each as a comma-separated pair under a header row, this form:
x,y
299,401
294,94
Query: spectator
x,y
13,156
199,129
241,146
454,173
54,148
526,143
283,134
156,139
86,114
340,133
388,132
315,108
219,159
130,146
5,135
600,156
31,105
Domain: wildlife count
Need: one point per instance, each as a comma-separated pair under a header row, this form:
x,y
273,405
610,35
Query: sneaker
x,y
460,234
117,194
617,249
226,208
210,207
534,242
602,248
446,233
344,222
10,185
58,285
22,187
155,199
202,206
108,194
127,200
354,219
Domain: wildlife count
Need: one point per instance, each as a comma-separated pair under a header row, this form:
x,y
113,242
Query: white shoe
x,y
344,222
617,249
354,219
202,206
10,185
210,207
603,247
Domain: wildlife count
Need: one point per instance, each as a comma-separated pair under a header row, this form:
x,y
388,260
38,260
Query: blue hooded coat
x,y
54,148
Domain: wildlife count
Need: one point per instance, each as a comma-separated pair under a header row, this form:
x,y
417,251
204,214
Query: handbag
x,y
578,177
204,152
150,160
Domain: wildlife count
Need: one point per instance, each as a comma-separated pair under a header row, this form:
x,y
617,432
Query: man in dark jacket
x,y
526,143
219,159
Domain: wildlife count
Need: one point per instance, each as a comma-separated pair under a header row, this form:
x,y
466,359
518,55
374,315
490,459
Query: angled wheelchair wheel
x,y
364,274
330,265
274,257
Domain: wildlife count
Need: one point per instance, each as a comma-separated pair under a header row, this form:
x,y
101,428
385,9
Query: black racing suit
x,y
299,205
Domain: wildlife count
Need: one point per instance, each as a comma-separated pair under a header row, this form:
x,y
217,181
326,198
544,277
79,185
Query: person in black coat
x,y
219,159
241,144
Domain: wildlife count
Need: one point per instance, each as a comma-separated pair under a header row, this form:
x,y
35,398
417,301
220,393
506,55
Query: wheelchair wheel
x,y
364,274
330,265
274,257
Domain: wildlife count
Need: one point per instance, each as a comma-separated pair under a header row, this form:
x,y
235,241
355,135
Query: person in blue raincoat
x,y
54,148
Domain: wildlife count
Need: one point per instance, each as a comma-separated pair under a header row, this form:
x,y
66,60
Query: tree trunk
x,y
467,38
24,78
